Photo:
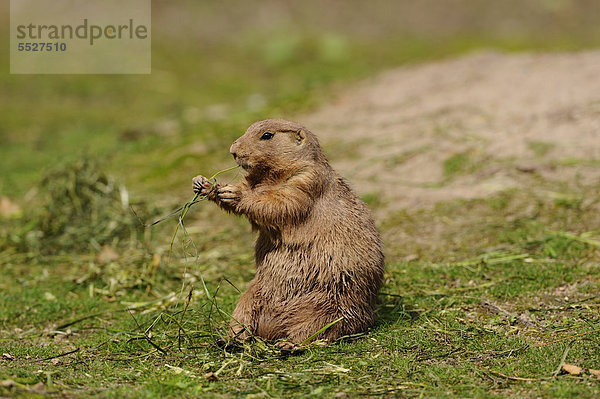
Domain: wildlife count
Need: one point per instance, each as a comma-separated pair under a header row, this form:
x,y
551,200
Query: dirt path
x,y
467,127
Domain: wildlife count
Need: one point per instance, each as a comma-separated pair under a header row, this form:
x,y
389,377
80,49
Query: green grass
x,y
540,148
494,317
482,298
460,164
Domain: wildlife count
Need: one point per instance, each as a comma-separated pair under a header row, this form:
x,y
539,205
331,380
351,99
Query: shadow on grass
x,y
392,308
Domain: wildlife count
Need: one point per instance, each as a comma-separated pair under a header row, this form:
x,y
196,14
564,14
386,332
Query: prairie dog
x,y
318,253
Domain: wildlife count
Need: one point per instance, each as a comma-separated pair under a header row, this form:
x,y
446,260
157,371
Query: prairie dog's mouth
x,y
243,163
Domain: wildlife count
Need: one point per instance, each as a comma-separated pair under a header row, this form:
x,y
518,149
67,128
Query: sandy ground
x,y
503,121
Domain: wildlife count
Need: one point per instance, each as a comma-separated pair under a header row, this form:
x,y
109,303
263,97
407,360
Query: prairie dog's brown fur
x,y
318,253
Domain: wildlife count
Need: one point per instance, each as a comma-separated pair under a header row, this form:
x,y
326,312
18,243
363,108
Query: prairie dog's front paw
x,y
202,185
229,194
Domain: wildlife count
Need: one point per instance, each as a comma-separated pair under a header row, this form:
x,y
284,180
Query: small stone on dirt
x,y
106,255
595,372
39,387
7,384
8,208
571,369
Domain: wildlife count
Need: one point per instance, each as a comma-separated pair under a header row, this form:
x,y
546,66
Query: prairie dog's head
x,y
276,145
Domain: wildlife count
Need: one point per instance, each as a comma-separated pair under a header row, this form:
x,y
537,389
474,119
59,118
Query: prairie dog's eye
x,y
267,136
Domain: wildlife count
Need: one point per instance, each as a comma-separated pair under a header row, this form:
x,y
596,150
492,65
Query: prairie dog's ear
x,y
300,136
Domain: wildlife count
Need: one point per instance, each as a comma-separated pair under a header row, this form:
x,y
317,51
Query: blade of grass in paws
x,y
195,199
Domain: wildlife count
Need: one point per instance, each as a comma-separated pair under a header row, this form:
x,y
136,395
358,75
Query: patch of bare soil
x,y
467,127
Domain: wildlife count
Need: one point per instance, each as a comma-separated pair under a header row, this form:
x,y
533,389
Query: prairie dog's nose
x,y
233,149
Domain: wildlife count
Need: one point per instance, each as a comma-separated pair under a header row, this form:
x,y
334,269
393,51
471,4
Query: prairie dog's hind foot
x,y
286,346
